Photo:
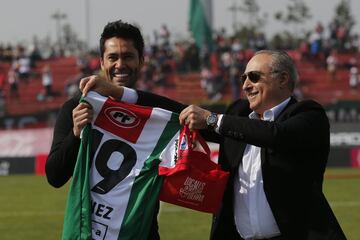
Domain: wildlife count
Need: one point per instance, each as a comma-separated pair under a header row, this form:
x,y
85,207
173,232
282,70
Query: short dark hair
x,y
123,30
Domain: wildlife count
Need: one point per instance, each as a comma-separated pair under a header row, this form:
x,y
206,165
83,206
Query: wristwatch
x,y
211,121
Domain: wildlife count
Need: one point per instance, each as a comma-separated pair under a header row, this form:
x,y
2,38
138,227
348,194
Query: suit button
x,y
241,136
236,134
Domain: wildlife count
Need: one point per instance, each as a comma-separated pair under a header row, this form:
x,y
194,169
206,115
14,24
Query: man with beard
x,y
122,56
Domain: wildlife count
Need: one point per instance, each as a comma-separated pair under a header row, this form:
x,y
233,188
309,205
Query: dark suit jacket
x,y
294,152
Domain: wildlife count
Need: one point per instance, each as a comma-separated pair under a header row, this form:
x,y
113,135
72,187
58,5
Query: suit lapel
x,y
279,118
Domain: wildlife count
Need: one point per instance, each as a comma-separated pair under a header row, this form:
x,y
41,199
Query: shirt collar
x,y
271,114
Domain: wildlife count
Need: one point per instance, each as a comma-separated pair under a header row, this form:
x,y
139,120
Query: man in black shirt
x,y
122,56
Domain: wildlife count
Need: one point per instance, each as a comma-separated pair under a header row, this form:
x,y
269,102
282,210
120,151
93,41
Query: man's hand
x,y
194,116
101,86
82,115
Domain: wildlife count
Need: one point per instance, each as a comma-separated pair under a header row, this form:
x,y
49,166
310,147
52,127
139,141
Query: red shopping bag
x,y
195,182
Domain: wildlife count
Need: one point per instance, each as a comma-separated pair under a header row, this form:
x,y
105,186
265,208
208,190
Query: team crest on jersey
x,y
122,117
123,120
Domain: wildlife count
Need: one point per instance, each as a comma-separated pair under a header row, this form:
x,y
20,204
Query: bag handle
x,y
193,135
197,136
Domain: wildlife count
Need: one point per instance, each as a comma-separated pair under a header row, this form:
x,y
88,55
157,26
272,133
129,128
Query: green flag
x,y
200,22
77,221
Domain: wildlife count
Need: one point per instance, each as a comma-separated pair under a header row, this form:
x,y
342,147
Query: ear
x,y
284,80
102,63
141,61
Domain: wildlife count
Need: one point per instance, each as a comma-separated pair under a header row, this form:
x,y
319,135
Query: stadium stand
x,y
27,103
315,82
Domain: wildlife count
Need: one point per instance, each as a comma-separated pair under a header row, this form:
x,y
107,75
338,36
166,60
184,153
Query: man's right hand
x,y
81,115
194,116
101,86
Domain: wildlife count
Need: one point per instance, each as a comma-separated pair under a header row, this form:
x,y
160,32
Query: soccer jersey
x,y
115,184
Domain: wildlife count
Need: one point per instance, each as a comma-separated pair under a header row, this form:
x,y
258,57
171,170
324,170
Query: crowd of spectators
x,y
165,58
321,43
328,47
223,67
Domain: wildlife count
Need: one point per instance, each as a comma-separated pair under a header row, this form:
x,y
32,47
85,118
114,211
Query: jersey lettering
x,y
101,210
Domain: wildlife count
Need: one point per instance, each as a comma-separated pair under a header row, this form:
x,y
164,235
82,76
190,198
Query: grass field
x,y
31,209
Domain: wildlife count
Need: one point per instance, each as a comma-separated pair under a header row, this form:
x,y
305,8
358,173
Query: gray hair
x,y
282,62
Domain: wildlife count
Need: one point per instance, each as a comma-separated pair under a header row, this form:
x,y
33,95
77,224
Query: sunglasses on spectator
x,y
253,76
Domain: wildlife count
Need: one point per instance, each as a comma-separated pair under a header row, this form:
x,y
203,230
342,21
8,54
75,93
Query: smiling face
x,y
121,62
270,89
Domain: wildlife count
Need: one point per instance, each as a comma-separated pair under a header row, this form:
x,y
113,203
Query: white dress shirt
x,y
252,213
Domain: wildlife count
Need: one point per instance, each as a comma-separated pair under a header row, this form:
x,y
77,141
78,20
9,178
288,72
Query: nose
x,y
118,63
246,84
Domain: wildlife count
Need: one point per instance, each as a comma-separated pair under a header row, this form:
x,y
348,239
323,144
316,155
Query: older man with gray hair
x,y
276,149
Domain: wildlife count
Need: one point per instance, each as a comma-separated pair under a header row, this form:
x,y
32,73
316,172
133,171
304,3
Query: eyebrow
x,y
127,53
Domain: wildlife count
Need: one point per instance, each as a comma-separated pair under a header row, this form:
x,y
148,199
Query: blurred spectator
x,y
237,67
304,50
145,81
236,45
13,81
2,95
8,53
225,64
179,57
1,52
341,35
2,107
2,81
207,81
47,82
260,42
333,26
354,78
23,65
192,56
355,43
34,56
315,43
156,37
317,40
211,83
319,29
327,48
165,37
93,63
332,62
162,75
